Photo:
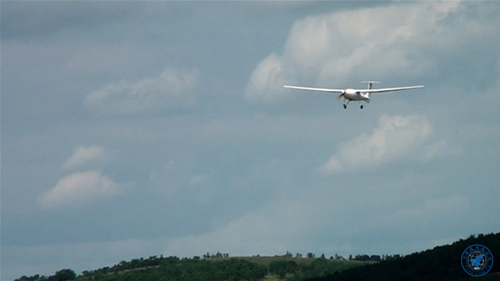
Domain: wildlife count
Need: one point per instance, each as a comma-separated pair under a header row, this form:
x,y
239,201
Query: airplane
x,y
358,95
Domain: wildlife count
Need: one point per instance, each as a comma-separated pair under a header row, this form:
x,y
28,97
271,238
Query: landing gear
x,y
345,104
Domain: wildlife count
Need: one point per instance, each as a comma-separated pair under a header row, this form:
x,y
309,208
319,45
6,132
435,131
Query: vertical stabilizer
x,y
370,84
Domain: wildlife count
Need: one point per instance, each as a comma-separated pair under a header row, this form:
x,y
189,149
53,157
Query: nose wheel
x,y
345,106
361,106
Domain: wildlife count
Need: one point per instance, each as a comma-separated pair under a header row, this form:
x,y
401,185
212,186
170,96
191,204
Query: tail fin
x,y
370,83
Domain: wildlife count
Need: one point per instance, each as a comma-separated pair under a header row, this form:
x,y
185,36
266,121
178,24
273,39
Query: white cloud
x,y
77,188
267,80
381,43
84,155
396,139
172,88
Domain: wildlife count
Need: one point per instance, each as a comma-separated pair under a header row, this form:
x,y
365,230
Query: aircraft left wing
x,y
315,89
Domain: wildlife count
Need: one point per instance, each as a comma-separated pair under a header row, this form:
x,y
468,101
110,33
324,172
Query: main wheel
x,y
361,106
345,106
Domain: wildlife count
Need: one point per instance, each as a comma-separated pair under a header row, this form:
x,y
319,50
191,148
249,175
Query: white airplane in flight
x,y
355,94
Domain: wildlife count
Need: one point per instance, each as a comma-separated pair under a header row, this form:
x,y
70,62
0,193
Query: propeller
x,y
342,94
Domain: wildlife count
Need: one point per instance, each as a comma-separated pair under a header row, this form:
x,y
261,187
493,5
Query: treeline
x,y
122,266
208,267
167,269
358,257
61,275
440,263
374,257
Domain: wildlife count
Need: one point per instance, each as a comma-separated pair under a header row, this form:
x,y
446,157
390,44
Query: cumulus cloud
x,y
396,139
267,80
77,188
384,41
172,88
83,155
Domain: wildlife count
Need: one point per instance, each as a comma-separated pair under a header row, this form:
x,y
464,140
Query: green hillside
x,y
217,267
440,263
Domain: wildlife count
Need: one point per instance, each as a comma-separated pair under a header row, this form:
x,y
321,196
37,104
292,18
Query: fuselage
x,y
353,95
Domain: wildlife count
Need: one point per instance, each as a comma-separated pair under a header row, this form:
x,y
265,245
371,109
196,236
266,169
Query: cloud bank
x,y
333,49
396,139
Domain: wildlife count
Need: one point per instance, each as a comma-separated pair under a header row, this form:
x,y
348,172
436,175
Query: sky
x,y
133,129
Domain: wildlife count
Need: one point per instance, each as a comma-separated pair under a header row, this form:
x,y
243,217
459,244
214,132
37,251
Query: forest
x,y
440,263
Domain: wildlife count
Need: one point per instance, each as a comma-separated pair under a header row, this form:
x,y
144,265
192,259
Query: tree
x,y
63,275
281,268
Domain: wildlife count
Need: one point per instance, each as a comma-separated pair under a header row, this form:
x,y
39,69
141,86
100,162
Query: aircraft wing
x,y
315,89
385,90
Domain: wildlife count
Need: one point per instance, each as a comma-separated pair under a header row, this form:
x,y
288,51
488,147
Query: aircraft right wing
x,y
385,90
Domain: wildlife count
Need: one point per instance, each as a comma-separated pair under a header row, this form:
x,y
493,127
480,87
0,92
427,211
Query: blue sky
x,y
133,129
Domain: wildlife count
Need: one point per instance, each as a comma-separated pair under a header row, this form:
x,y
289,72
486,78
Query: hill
x,y
440,263
217,267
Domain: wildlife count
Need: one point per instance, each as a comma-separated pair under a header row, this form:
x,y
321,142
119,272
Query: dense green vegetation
x,y
440,263
171,268
61,275
210,267
296,271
